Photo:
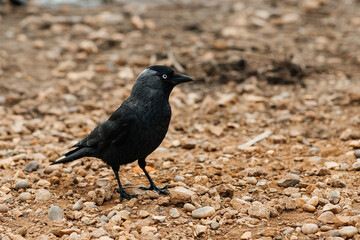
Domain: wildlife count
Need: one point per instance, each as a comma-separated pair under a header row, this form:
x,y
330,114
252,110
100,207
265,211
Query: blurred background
x,y
291,67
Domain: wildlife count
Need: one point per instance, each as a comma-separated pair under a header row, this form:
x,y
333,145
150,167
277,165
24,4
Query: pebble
x,y
332,208
246,235
98,233
356,166
189,207
143,213
25,196
326,217
42,195
357,153
313,201
203,212
3,208
288,182
308,207
334,197
124,214
56,213
32,166
73,236
188,143
331,165
101,182
313,151
288,231
259,210
159,218
180,195
105,218
239,204
22,183
199,230
214,225
250,180
229,150
348,232
178,178
315,160
174,213
309,228
78,205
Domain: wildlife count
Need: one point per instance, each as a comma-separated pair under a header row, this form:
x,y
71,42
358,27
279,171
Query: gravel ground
x,y
287,71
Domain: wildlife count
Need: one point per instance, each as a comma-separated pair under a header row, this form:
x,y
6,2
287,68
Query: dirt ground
x,y
289,69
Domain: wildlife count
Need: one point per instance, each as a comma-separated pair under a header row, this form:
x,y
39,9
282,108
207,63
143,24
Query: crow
x,y
136,128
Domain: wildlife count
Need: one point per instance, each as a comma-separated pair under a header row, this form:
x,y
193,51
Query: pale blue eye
x,y
164,76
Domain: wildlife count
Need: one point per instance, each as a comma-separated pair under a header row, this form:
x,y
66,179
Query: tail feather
x,y
75,154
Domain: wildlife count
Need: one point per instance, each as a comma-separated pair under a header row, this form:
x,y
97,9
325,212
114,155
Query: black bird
x,y
136,128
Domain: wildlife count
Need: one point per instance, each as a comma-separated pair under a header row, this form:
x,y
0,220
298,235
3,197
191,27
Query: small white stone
x,y
203,212
309,228
143,213
174,213
22,183
56,213
78,205
159,218
189,207
348,232
25,196
42,195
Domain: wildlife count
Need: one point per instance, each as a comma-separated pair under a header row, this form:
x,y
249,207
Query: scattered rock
x,y
203,212
246,235
98,233
180,195
357,153
189,207
308,207
309,228
160,219
25,196
326,217
334,197
42,195
348,232
32,166
259,210
21,184
214,225
199,230
3,208
356,166
174,213
78,205
144,214
56,213
188,143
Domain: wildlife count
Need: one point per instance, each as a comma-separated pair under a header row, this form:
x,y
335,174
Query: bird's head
x,y
160,78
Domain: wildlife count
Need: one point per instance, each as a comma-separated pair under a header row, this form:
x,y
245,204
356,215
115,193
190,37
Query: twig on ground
x,y
256,139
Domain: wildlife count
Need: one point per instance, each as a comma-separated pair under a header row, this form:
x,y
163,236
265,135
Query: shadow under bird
x,y
136,128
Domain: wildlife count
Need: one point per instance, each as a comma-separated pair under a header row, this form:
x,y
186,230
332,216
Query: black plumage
x,y
136,128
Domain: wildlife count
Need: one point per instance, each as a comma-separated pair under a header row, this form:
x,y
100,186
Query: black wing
x,y
116,128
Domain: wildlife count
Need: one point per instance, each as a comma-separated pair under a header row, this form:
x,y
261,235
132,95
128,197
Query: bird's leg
x,y
120,190
142,165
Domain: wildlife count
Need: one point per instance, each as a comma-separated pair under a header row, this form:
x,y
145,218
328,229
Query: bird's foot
x,y
124,194
158,190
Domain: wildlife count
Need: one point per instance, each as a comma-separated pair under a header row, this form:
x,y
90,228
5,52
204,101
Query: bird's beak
x,y
180,78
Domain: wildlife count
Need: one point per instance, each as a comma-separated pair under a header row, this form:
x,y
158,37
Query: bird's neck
x,y
149,94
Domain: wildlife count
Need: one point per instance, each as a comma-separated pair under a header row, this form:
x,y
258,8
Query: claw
x,y
124,194
158,190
